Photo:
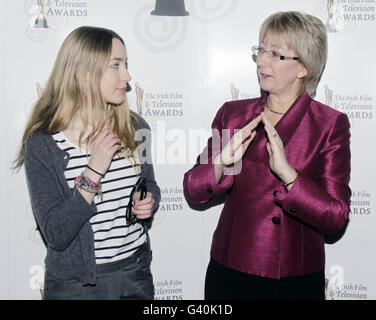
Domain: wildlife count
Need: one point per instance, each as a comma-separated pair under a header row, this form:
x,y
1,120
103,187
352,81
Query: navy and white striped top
x,y
113,239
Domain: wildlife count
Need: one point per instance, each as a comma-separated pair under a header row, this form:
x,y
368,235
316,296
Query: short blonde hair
x,y
307,36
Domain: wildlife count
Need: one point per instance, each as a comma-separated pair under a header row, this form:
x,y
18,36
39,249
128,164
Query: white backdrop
x,y
186,68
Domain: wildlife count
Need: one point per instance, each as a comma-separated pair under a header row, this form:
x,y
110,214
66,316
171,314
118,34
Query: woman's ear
x,y
303,72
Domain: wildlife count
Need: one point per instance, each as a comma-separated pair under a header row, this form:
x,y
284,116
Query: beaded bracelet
x,y
83,182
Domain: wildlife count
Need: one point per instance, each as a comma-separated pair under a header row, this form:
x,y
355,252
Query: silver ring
x,y
274,134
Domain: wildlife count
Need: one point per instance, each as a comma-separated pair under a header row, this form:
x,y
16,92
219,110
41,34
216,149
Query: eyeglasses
x,y
140,186
274,55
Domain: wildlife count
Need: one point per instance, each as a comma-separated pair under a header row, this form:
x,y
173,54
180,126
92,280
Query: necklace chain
x,y
270,109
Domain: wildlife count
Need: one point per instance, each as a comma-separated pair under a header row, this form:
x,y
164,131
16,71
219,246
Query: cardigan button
x,y
276,220
293,210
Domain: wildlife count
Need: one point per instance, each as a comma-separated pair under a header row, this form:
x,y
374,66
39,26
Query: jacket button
x,y
276,220
209,190
293,210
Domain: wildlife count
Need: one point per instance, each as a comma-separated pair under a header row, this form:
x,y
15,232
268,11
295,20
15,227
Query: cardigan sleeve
x,y
324,202
59,217
143,134
199,183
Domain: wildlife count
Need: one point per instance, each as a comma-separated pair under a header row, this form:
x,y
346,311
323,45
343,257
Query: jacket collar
x,y
290,121
285,127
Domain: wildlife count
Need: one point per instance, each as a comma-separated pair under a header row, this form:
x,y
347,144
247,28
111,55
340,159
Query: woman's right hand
x,y
236,147
105,145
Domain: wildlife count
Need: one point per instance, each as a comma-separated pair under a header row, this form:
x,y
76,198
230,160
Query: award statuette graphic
x,y
39,89
330,24
140,98
234,93
170,8
328,96
40,21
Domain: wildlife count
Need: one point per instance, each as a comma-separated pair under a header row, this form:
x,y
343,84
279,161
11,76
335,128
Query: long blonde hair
x,y
80,64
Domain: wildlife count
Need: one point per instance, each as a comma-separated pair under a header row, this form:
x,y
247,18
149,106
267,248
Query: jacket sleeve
x,y
59,218
143,134
324,202
199,183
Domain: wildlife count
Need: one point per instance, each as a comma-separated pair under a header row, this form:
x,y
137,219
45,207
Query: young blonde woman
x,y
84,152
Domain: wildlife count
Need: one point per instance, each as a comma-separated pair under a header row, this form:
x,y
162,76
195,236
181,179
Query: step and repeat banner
x,y
183,68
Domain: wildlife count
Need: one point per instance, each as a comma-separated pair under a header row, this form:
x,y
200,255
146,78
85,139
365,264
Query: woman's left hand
x,y
277,158
143,209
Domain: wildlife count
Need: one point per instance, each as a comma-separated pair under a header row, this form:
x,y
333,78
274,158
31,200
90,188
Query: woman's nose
x,y
261,58
126,76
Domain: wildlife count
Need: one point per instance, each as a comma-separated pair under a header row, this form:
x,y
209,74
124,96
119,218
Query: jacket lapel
x,y
285,127
292,119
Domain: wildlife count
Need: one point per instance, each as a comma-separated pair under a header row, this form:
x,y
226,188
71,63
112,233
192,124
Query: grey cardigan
x,y
62,215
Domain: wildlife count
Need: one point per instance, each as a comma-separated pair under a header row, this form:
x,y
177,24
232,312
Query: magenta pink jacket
x,y
264,229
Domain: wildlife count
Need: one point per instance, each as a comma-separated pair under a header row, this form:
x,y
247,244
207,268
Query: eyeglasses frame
x,y
281,57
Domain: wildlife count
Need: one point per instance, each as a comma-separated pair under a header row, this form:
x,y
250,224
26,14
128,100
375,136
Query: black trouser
x,y
222,283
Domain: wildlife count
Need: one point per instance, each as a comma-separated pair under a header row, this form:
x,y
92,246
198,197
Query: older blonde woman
x,y
292,186
81,158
